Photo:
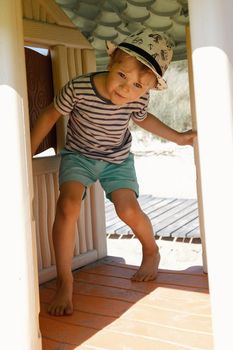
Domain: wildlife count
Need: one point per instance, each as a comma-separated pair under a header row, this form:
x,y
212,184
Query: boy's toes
x,y
68,310
138,277
60,310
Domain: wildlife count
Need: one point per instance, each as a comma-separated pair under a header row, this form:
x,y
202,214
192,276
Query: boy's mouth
x,y
119,95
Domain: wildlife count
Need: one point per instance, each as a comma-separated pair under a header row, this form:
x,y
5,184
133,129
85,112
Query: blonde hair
x,y
119,55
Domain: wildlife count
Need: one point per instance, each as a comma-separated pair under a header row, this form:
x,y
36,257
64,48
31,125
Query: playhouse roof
x,y
115,19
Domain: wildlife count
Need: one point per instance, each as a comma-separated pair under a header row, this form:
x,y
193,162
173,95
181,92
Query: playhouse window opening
x,y
43,51
47,153
40,93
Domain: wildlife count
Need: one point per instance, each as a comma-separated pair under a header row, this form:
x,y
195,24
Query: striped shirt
x,y
97,128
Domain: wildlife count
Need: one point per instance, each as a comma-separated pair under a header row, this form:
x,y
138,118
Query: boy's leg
x,y
129,211
67,212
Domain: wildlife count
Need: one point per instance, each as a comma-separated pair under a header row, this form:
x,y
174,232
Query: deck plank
x,y
178,279
170,217
91,304
178,223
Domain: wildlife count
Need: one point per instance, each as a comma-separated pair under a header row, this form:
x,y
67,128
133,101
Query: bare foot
x,y
62,302
148,269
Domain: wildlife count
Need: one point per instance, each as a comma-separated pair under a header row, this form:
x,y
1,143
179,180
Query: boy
x,y
100,106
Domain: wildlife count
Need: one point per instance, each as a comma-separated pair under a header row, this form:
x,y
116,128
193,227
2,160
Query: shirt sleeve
x,y
66,99
140,113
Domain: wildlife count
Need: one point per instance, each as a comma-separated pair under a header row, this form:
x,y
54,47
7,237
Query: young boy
x,y
100,106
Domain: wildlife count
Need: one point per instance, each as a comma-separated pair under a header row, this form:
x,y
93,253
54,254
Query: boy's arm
x,y
43,125
155,126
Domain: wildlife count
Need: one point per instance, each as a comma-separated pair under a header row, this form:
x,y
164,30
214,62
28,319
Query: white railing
x,y
90,230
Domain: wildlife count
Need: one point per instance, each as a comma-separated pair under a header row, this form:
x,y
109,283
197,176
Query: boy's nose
x,y
125,86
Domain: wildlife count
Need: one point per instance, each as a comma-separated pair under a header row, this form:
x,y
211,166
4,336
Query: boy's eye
x,y
137,85
122,75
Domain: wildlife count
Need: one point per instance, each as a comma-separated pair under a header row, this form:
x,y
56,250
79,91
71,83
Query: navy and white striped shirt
x,y
97,128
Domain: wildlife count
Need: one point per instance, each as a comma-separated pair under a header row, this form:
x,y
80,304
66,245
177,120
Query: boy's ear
x,y
110,47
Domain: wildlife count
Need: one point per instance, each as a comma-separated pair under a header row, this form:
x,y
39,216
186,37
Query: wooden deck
x,y
170,217
111,312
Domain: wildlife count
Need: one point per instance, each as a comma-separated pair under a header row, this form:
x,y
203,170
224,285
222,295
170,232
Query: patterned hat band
x,y
143,54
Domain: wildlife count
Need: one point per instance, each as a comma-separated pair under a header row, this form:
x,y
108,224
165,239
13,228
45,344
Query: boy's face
x,y
127,81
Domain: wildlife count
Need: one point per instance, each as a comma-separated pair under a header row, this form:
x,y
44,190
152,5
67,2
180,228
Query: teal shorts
x,y
76,167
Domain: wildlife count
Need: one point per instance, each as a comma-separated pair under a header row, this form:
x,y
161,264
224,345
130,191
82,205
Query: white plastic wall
x,y
212,55
18,263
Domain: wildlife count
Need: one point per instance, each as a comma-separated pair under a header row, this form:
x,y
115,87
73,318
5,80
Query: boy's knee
x,y
68,206
127,213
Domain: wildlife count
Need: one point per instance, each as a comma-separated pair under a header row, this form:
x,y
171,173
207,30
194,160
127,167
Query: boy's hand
x,y
186,138
43,125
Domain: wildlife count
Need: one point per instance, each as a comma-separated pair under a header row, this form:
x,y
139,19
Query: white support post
x,y
196,151
212,55
18,268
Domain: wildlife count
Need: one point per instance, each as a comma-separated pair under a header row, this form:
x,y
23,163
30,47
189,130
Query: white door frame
x,y
212,57
18,262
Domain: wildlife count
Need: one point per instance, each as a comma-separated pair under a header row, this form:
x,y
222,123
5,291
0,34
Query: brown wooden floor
x,y
113,313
